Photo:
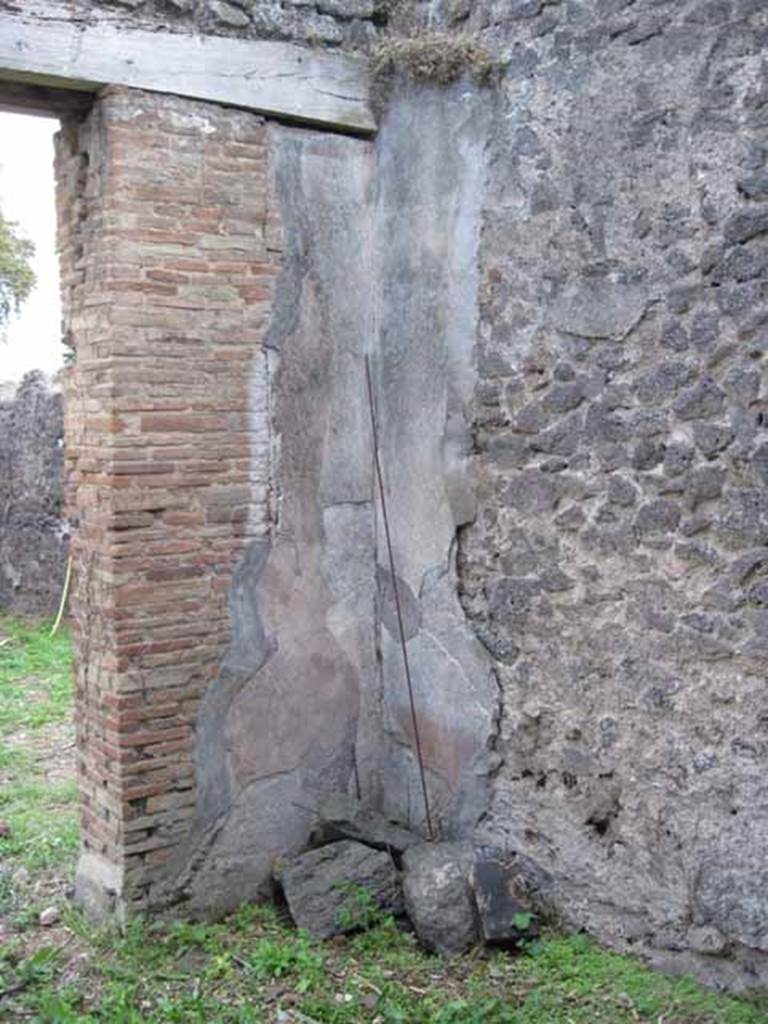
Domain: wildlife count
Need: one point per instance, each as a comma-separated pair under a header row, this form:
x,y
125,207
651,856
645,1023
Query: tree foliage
x,y
17,278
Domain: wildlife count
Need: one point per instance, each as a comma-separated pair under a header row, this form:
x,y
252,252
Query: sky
x,y
33,339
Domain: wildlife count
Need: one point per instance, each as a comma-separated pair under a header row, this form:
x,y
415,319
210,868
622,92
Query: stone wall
x,y
561,282
332,23
34,535
616,570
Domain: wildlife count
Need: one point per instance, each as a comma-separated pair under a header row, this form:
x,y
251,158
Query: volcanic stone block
x,y
703,400
323,887
746,224
438,898
342,817
706,939
731,895
505,919
712,438
755,186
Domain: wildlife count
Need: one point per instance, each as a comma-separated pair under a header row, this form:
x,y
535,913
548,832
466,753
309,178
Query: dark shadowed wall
x,y
34,535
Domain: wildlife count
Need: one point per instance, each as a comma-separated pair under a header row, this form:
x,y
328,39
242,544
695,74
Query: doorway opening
x,y
39,815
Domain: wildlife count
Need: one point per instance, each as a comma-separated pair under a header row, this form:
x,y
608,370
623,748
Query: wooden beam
x,y
43,101
281,80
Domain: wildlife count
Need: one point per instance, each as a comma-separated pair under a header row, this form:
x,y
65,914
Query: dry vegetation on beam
x,y
437,58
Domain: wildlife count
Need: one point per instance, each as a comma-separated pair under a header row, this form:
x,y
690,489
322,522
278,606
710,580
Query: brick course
x,y
167,280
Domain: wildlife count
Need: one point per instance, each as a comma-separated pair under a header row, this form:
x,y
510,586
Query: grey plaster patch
x,y
297,683
348,568
428,223
306,699
249,646
266,822
249,649
409,606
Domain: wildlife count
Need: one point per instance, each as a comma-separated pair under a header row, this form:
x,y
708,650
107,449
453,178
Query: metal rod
x,y
396,592
358,791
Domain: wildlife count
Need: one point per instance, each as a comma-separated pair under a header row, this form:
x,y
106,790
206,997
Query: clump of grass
x,y
437,58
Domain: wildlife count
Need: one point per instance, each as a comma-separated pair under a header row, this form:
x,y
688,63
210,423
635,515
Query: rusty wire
x,y
396,592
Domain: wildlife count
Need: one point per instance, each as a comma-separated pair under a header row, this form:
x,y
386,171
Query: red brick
x,y
158,443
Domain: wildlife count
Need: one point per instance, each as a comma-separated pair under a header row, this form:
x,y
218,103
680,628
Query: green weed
x,y
359,909
294,955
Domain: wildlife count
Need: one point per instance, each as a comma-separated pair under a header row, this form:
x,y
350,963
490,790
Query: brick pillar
x,y
167,283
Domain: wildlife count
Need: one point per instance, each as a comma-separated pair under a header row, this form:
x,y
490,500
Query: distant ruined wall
x,y
34,534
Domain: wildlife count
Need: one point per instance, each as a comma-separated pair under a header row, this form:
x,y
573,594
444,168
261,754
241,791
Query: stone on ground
x,y
706,939
323,887
49,917
506,913
438,898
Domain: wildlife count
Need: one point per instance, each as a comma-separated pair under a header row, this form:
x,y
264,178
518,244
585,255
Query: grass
x,y
254,963
35,676
254,967
44,827
38,796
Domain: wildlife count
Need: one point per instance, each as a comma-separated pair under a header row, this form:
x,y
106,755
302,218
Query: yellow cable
x,y
64,595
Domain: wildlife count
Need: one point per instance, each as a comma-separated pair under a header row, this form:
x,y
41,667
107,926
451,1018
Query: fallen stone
x,y
342,817
438,899
706,939
325,889
293,1017
20,876
506,892
48,917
